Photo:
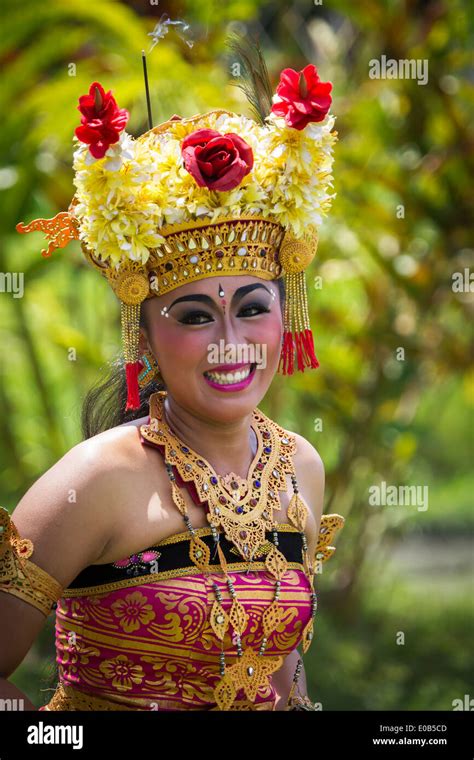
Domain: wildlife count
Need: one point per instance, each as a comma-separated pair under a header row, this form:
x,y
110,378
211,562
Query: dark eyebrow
x,y
238,295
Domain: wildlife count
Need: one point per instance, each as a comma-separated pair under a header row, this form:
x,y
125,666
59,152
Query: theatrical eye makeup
x,y
259,305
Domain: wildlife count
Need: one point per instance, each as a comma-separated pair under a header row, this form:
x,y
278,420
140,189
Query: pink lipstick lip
x,y
229,367
234,386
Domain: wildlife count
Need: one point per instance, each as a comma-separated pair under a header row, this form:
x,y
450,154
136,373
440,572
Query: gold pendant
x,y
236,486
251,672
238,617
199,553
224,693
276,563
219,620
271,618
297,512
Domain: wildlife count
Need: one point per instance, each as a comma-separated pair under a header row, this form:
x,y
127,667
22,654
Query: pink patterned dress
x,y
135,634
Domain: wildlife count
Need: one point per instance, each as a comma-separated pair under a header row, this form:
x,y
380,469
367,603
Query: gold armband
x,y
18,575
330,524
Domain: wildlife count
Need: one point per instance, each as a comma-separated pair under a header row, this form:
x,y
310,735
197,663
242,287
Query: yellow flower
x,y
133,611
126,198
123,672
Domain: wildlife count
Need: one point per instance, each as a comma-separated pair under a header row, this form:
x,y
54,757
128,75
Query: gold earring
x,y
150,369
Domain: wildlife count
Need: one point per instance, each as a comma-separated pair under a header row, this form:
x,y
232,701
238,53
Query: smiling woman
x,y
183,334
104,403
193,584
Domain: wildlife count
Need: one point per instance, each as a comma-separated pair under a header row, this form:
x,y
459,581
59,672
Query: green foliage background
x,y
398,232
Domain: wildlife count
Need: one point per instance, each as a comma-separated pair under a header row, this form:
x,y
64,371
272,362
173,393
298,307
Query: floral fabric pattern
x,y
151,646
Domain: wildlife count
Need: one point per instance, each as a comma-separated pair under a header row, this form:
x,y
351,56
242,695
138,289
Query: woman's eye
x,y
195,318
202,317
253,309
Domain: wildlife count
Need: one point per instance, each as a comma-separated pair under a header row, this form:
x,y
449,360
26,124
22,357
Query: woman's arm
x,y
282,680
66,534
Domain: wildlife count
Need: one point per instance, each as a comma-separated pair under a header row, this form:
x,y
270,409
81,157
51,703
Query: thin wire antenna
x,y
147,91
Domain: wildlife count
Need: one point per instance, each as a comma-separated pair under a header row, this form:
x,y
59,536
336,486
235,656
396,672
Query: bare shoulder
x,y
133,423
68,511
115,444
307,458
306,452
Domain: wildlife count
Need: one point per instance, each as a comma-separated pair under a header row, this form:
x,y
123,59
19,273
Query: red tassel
x,y
132,370
286,354
306,350
300,351
309,344
305,354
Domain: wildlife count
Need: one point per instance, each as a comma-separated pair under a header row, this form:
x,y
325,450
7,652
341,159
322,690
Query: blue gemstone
x,y
185,449
214,480
267,449
239,510
257,483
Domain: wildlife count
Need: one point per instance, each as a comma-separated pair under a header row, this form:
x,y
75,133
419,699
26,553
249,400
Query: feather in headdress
x,y
254,79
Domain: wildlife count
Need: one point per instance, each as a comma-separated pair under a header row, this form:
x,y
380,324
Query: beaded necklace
x,y
243,509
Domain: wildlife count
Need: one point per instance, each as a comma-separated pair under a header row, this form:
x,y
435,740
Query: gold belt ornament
x,y
68,698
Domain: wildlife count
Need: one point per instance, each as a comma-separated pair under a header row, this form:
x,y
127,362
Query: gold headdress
x,y
214,194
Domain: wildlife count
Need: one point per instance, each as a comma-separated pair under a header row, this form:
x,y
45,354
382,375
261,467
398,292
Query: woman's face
x,y
210,326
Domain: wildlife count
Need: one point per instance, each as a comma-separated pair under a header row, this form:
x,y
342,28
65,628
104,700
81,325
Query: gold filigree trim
x,y
193,250
58,231
185,535
69,698
153,577
329,526
244,520
20,576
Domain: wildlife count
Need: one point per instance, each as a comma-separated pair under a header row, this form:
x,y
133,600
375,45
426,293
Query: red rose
x,y
304,98
216,161
102,120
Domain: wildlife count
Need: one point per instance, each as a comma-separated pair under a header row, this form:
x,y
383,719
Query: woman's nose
x,y
231,331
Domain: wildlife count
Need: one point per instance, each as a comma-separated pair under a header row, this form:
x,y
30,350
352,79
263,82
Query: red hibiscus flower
x,y
102,120
304,98
216,161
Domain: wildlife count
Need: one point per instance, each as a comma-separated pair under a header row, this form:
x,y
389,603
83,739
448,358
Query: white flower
x,y
141,185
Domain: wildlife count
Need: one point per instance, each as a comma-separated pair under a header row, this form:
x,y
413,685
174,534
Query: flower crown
x,y
214,194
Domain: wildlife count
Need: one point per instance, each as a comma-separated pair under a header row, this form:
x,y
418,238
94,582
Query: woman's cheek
x,y
183,348
268,334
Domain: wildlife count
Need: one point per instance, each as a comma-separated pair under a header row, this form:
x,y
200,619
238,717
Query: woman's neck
x,y
228,447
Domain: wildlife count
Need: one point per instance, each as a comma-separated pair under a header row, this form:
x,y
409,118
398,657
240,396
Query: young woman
x,y
179,543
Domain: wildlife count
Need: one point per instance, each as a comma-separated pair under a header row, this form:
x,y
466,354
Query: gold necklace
x,y
245,515
244,512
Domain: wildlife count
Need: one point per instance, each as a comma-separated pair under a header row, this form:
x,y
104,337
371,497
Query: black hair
x,y
104,404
